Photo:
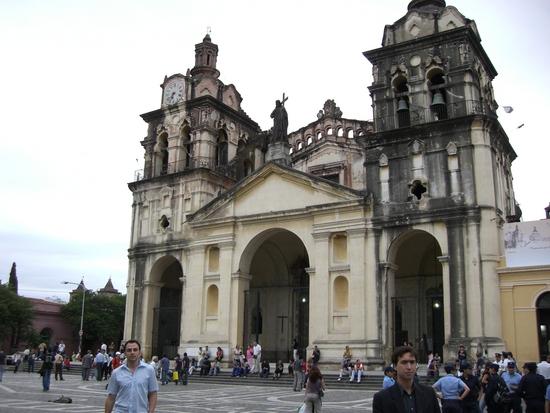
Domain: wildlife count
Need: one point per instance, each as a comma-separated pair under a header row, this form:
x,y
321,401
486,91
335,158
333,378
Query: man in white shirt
x,y
257,353
543,368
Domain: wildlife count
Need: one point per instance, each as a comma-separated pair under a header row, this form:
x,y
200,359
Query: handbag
x,y
302,408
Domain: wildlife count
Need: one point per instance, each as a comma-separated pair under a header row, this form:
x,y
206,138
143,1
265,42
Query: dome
x,y
418,4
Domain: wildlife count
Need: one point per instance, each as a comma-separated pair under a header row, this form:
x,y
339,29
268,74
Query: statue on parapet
x,y
280,122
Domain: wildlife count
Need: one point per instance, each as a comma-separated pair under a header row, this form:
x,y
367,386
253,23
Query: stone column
x,y
240,282
224,292
473,280
319,310
183,280
192,314
358,299
388,271
457,279
151,297
372,288
444,260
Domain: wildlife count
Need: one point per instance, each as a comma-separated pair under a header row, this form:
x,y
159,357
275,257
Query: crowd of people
x,y
469,385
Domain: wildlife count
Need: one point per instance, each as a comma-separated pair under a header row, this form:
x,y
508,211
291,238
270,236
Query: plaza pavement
x,y
22,392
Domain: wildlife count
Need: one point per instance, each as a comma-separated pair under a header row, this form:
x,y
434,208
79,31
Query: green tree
x,y
16,314
12,283
103,318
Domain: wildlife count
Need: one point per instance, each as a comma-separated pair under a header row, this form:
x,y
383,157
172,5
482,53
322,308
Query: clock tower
x,y
198,144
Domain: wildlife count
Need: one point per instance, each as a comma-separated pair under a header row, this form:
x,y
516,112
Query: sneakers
x,y
339,378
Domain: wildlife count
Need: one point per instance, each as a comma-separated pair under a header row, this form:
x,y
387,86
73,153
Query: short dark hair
x,y
400,351
132,341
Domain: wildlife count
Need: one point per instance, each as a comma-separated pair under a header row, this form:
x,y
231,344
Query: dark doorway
x,y
276,306
167,315
543,325
417,302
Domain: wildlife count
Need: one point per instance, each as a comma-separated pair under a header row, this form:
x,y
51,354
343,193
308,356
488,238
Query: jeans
x,y
357,373
46,380
298,380
1,371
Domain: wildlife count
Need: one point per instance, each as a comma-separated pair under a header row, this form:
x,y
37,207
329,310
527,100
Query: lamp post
x,y
81,332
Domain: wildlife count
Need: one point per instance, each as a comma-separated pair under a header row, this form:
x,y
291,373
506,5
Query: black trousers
x,y
514,406
534,406
451,406
470,407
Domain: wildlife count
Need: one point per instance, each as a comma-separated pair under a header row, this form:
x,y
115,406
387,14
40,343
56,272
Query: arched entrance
x,y
543,324
167,313
276,308
417,299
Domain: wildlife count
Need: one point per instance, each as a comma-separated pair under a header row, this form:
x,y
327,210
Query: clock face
x,y
173,92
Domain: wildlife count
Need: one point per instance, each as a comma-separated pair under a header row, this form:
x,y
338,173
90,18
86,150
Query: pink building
x,y
49,322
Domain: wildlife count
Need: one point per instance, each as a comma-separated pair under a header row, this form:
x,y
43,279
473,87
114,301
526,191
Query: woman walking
x,y
315,388
46,371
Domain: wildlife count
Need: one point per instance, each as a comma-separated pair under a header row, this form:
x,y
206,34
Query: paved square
x,y
22,392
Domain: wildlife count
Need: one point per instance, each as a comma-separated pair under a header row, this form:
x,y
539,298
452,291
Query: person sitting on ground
x,y
389,377
357,371
346,362
265,369
279,367
193,366
214,368
236,372
205,365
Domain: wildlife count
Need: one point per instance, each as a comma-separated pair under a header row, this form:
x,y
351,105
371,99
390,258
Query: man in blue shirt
x,y
452,389
133,386
512,379
389,380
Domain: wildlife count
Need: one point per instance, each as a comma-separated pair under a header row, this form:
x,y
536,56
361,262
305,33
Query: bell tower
x,y
439,158
206,55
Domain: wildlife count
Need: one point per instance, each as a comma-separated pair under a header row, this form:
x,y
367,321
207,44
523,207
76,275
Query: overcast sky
x,y
76,75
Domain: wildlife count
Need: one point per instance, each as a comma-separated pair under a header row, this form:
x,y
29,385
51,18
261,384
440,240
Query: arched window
x,y
436,84
221,148
247,167
329,132
309,140
300,145
340,132
341,294
213,260
212,301
319,135
187,146
401,91
162,154
350,134
340,248
291,150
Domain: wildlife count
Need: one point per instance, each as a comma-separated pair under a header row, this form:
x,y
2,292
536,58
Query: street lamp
x,y
81,332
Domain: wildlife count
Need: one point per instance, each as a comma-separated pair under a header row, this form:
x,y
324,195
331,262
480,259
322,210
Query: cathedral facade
x,y
344,232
